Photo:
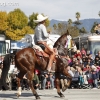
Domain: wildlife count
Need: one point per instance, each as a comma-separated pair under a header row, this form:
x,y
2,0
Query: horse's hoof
x,y
37,97
61,95
17,94
64,88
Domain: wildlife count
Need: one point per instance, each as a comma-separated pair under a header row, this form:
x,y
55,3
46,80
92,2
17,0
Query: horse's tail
x,y
6,66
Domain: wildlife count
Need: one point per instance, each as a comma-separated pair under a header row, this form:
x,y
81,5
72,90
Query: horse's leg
x,y
62,83
19,90
30,75
65,85
58,87
67,81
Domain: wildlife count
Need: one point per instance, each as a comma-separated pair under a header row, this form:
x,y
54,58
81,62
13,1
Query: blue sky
x,y
55,9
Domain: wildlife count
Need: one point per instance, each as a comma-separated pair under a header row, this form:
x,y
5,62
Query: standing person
x,y
52,78
36,81
41,37
95,76
44,77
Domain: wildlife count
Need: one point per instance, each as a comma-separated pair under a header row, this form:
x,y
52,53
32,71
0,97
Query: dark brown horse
x,y
27,61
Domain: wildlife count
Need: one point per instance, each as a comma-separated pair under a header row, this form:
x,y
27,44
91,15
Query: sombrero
x,y
40,18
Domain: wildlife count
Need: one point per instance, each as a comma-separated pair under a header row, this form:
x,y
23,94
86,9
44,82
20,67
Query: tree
x,y
55,26
99,13
31,20
77,22
83,30
78,16
60,28
73,30
17,22
3,22
69,22
17,19
94,25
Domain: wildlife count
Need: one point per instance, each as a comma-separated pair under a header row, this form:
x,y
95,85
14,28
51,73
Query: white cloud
x,y
56,9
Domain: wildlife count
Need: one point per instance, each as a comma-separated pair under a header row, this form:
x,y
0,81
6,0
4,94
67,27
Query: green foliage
x,y
3,22
73,31
69,22
17,22
18,33
99,13
14,34
78,15
17,19
55,26
62,28
77,23
82,30
31,22
94,25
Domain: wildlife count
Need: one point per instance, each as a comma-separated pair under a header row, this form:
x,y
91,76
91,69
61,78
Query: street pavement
x,y
70,94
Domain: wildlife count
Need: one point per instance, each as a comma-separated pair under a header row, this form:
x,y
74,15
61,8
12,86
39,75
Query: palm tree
x,y
55,26
78,16
69,22
60,28
99,13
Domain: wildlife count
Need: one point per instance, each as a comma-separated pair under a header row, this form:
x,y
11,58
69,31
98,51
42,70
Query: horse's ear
x,y
67,32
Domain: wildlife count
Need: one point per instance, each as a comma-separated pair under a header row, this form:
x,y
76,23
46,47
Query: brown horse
x,y
26,60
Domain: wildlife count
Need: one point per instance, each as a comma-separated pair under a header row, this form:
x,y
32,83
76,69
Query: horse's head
x,y
61,40
61,43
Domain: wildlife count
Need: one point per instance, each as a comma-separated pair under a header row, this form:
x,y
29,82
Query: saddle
x,y
39,51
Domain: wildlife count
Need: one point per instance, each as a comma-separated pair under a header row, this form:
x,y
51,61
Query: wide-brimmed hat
x,y
40,18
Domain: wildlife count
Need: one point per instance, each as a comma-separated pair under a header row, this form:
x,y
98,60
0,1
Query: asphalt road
x,y
70,94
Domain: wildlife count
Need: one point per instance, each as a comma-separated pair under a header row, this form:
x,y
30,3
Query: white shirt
x,y
40,33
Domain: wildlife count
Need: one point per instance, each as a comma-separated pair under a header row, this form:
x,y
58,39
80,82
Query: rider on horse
x,y
41,37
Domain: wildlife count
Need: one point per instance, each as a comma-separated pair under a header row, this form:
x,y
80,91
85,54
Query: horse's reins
x,y
51,40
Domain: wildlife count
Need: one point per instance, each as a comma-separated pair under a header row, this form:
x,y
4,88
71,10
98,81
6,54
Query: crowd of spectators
x,y
80,62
